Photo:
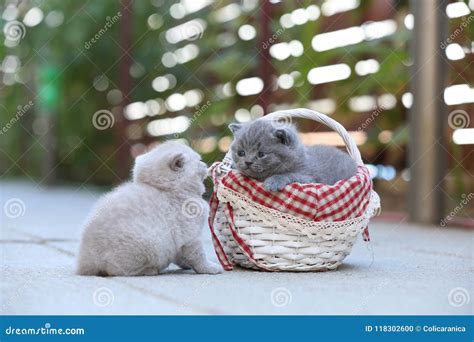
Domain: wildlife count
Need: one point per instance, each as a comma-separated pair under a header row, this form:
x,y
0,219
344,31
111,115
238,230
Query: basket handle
x,y
322,118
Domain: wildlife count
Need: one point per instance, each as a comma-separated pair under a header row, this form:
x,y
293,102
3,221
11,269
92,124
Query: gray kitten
x,y
274,154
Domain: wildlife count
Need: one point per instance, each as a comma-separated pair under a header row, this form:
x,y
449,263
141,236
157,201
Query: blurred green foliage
x,y
58,69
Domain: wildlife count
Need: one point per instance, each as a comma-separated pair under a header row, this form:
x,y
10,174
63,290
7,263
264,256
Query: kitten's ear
x,y
234,127
177,162
283,136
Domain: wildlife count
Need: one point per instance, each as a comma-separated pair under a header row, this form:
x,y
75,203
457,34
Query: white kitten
x,y
144,225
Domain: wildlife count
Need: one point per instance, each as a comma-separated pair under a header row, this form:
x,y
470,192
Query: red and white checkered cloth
x,y
347,199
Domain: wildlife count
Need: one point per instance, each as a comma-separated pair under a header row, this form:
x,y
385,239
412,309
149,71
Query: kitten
x,y
156,219
274,154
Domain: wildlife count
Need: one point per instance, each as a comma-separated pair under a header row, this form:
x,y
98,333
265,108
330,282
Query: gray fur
x,y
144,225
285,159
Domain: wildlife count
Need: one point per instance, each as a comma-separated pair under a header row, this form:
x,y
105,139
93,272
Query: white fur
x,y
144,225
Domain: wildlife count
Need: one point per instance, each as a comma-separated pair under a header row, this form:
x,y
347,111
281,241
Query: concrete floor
x,y
413,270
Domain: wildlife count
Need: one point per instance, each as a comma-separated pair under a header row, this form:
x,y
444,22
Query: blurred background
x,y
85,86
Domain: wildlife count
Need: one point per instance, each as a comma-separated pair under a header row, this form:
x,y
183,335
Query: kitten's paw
x,y
275,183
210,268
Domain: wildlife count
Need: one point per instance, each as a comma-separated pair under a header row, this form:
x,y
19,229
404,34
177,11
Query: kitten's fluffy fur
x,y
144,225
273,153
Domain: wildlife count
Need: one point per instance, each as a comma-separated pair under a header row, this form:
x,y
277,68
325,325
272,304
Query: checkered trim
x,y
344,200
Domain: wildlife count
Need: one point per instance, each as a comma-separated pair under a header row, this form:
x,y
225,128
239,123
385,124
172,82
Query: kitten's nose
x,y
248,163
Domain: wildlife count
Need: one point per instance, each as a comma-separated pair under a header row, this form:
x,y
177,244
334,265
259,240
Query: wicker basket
x,y
255,236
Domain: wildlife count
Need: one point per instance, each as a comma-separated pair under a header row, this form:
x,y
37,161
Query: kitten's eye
x,y
261,154
241,153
